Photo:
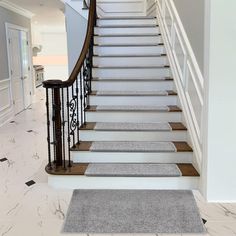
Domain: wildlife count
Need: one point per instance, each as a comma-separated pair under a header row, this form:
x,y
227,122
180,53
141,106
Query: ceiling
x,y
46,12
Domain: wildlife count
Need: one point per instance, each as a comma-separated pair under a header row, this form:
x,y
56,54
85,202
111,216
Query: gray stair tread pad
x,y
134,108
133,170
137,93
130,146
133,126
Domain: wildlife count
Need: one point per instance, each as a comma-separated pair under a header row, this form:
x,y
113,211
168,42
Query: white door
x,y
26,70
16,70
19,62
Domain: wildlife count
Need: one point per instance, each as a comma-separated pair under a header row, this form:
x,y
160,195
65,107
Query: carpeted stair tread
x,y
134,108
128,126
132,170
130,146
133,93
133,126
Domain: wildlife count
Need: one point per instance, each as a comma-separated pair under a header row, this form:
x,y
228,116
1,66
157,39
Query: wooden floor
x,y
79,169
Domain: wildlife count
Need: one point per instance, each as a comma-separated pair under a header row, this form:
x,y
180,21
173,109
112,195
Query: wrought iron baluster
x,y
81,99
63,128
68,124
53,127
84,93
48,131
58,126
77,108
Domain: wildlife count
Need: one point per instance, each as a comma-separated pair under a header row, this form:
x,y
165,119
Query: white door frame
x,y
20,28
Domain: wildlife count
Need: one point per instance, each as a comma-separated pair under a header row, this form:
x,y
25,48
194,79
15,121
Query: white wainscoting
x,y
112,8
186,72
6,109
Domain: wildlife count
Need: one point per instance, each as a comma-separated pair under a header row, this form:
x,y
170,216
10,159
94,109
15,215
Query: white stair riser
x,y
102,116
91,135
133,100
130,61
128,50
131,72
152,183
120,8
128,40
127,31
130,157
132,85
125,22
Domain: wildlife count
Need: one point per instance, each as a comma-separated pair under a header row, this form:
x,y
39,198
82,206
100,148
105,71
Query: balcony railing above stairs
x,y
66,102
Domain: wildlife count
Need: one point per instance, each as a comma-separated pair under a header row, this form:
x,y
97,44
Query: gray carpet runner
x,y
132,146
132,93
125,126
133,212
133,170
133,108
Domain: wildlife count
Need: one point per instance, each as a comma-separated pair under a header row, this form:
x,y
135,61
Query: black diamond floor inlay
x,y
12,122
30,131
3,159
204,221
29,183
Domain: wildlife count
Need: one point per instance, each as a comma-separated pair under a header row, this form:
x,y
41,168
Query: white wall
x,y
76,26
220,127
192,14
54,56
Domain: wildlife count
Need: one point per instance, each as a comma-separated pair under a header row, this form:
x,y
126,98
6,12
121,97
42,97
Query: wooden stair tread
x,y
175,126
126,35
86,145
132,67
128,26
126,17
129,45
132,79
151,93
171,109
187,170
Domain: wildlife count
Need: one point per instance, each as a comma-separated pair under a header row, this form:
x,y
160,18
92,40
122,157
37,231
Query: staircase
x,y
134,136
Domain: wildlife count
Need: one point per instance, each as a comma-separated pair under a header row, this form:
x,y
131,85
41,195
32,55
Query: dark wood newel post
x,y
58,126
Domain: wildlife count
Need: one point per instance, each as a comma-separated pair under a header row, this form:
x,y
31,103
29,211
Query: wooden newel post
x,y
58,126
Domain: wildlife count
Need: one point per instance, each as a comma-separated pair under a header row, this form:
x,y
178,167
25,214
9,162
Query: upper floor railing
x,y
66,102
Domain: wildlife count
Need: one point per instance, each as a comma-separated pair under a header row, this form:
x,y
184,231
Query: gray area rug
x,y
133,108
133,93
132,146
133,170
133,126
133,211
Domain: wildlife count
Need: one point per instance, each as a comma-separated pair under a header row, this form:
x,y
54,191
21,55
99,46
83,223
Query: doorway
x,y
19,62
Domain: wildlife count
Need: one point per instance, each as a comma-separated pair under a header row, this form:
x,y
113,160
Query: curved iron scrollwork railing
x,y
67,101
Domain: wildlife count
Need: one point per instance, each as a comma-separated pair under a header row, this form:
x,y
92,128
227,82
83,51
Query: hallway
x,y
39,209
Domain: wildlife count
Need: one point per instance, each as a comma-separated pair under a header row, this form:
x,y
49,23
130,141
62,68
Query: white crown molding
x,y
15,8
